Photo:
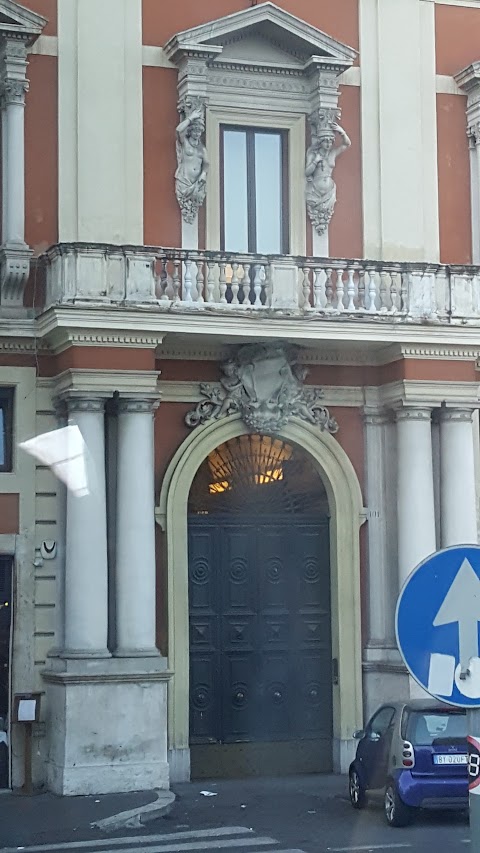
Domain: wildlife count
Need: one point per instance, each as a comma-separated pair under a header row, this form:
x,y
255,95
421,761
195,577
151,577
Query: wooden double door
x,y
260,645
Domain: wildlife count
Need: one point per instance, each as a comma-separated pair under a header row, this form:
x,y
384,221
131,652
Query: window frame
x,y
295,124
250,132
7,395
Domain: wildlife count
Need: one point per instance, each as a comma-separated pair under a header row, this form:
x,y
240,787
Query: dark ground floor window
x,y
6,428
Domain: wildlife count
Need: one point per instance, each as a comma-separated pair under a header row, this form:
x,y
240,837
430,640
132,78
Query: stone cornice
x,y
53,677
189,392
119,325
421,393
103,383
204,334
329,355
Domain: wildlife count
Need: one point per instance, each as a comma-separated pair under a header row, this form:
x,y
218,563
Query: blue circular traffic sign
x,y
437,621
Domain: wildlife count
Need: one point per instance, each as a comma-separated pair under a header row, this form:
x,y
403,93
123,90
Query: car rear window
x,y
429,728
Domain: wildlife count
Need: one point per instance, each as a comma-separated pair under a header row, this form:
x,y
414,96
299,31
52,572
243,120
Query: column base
x,y
107,726
179,764
83,654
385,678
343,754
137,653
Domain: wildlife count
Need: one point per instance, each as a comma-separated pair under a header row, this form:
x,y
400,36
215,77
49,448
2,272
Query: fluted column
x,y
86,564
415,494
457,478
135,574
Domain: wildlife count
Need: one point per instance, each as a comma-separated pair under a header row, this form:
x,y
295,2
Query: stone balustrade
x,y
176,279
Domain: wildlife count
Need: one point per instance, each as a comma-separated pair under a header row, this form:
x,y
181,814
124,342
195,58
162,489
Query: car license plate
x,y
450,759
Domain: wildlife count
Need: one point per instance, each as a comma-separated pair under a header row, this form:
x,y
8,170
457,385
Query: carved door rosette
x,y
264,384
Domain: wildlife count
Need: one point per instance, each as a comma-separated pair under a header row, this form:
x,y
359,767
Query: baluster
x,y
257,285
162,281
200,280
340,291
211,281
383,292
306,288
329,290
245,285
361,288
319,289
187,282
394,291
223,283
351,289
372,291
404,291
235,283
267,286
176,280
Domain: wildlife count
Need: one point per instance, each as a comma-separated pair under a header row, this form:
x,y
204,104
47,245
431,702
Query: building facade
x,y
239,252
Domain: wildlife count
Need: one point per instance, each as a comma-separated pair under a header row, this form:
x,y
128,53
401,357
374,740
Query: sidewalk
x,y
46,817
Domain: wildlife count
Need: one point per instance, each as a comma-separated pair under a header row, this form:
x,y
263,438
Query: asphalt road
x,y
309,814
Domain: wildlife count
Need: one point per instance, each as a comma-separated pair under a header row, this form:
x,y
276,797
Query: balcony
x,y
179,281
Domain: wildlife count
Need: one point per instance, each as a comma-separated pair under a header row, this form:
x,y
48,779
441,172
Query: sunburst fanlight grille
x,y
257,473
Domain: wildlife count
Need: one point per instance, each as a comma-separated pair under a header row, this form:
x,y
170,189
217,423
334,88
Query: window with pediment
x,y
255,77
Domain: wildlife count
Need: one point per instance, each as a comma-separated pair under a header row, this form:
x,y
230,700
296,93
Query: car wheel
x,y
396,812
358,797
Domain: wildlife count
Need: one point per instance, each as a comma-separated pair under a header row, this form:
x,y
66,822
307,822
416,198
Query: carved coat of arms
x,y
265,386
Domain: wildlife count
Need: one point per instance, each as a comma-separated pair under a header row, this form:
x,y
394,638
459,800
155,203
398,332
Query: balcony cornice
x,y
120,325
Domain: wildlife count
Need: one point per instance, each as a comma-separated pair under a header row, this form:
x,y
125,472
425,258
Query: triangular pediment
x,y
19,20
256,47
282,35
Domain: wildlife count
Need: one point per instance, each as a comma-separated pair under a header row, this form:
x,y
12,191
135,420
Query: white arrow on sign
x,y
462,604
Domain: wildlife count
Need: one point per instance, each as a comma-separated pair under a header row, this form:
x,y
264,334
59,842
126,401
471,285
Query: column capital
x,y
413,413
460,414
13,67
376,416
83,405
13,92
137,405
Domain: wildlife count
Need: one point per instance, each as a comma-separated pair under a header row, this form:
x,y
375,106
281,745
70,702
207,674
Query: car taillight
x,y
408,755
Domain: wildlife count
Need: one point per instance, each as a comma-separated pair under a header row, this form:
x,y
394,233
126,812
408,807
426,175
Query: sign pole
x,y
473,720
27,783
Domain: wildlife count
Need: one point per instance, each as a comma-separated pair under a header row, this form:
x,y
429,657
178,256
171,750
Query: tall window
x,y
6,428
254,190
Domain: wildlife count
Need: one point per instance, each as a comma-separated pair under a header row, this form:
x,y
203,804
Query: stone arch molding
x,y
347,515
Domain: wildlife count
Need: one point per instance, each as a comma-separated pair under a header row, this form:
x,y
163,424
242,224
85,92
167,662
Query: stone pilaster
x,y
135,530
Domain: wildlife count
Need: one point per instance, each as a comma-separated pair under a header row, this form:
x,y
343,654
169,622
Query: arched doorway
x,y
259,612
347,515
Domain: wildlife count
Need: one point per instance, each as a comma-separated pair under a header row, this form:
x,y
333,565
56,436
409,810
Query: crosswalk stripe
x,y
140,839
206,844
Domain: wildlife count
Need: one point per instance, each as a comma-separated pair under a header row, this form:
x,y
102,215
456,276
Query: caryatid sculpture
x,y
321,190
192,160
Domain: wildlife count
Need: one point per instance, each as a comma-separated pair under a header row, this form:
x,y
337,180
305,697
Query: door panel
x,y
205,692
5,634
260,645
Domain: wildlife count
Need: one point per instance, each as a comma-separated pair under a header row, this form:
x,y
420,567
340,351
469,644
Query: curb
x,y
134,818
